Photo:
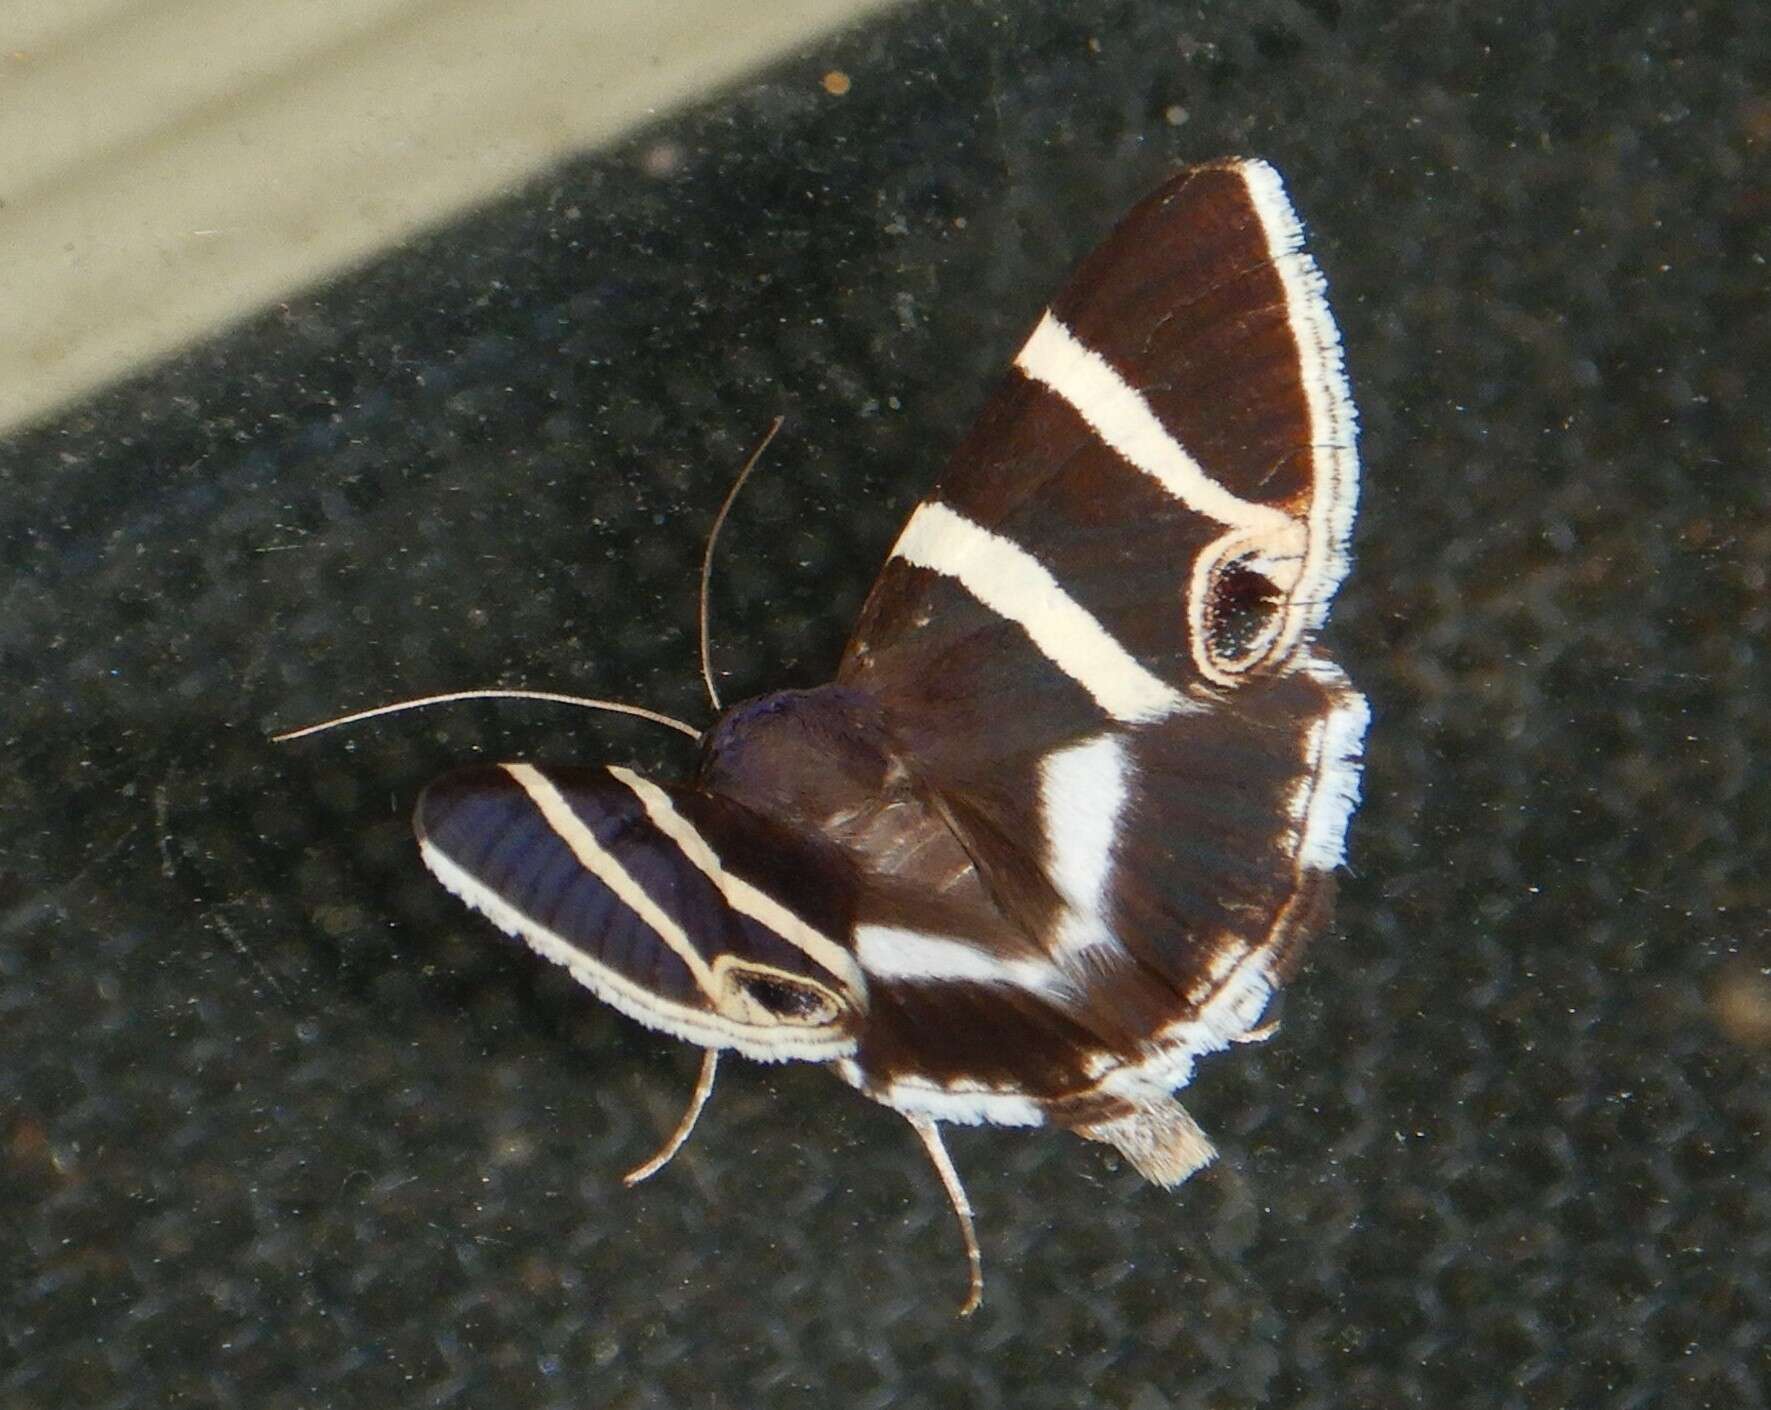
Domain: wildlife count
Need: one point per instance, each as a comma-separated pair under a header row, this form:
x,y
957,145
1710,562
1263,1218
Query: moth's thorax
x,y
826,761
808,756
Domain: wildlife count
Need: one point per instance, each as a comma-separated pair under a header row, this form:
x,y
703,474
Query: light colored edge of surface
x,y
140,247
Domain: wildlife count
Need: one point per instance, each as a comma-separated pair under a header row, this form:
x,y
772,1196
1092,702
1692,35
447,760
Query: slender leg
x,y
962,1208
703,1089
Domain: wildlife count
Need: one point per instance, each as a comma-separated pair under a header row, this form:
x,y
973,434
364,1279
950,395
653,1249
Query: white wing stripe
x,y
889,952
739,894
1012,583
600,863
1082,794
1121,417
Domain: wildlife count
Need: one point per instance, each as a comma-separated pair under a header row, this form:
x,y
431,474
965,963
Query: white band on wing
x,y
1014,584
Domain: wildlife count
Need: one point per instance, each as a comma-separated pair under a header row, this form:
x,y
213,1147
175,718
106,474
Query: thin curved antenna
x,y
615,707
719,521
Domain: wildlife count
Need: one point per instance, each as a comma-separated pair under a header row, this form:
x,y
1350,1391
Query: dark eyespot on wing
x,y
786,999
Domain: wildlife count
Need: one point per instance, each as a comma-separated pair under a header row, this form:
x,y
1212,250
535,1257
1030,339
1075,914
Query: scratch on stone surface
x,y
244,950
163,829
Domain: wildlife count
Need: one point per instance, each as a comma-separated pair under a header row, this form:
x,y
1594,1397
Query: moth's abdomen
x,y
665,904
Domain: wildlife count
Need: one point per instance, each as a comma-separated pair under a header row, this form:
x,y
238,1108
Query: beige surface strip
x,y
168,166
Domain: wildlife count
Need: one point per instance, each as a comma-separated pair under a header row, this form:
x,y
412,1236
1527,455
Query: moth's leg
x,y
703,1090
962,1207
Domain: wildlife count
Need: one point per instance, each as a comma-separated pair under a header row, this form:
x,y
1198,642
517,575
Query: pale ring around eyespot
x,y
729,974
1276,560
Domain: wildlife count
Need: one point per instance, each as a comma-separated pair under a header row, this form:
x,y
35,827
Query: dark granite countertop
x,y
281,1125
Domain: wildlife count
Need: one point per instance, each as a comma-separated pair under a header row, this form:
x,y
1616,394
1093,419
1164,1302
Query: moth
x,y
1068,813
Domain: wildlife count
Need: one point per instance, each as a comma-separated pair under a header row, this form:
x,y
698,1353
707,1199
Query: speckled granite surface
x,y
281,1126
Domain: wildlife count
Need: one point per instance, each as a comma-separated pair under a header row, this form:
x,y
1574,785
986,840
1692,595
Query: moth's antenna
x,y
615,707
719,521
